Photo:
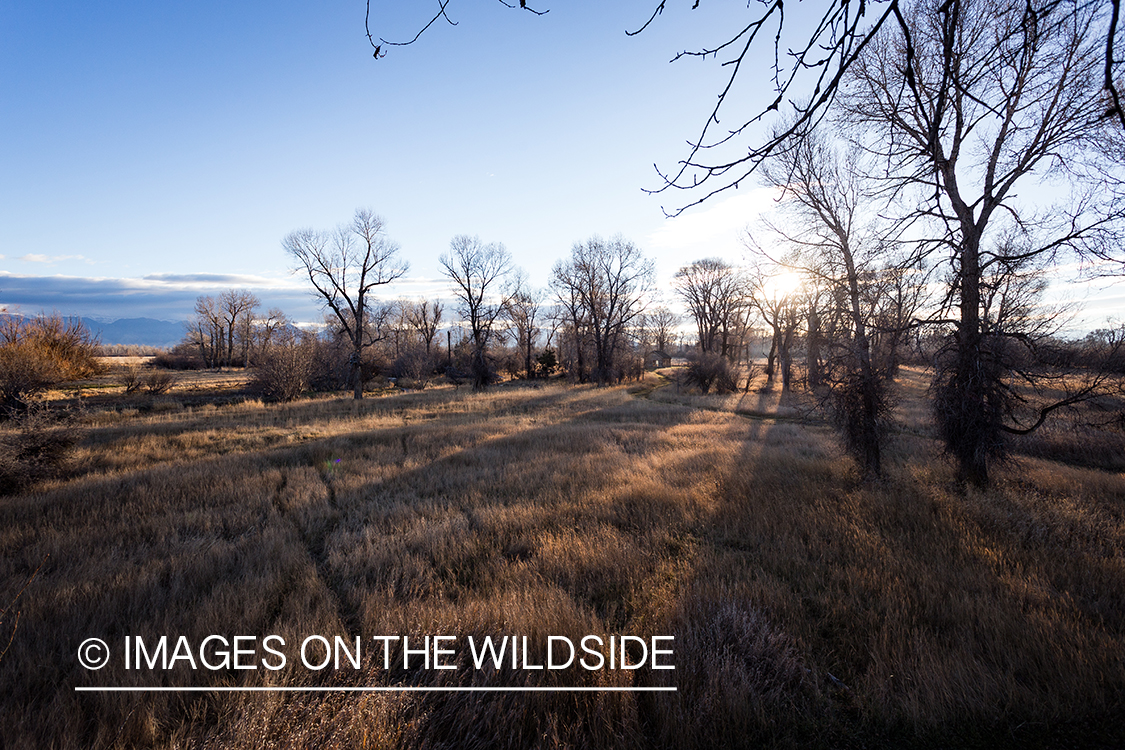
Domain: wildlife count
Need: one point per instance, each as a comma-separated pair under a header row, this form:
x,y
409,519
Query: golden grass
x,y
196,386
808,609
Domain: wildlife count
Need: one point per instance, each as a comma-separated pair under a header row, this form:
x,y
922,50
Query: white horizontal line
x,y
373,689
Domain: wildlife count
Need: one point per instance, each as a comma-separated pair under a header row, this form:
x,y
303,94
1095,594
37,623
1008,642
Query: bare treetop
x,y
714,293
345,264
605,285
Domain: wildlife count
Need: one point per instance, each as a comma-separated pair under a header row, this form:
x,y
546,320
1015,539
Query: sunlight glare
x,y
783,284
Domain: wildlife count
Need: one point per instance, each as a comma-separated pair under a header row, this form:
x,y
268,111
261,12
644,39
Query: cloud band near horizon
x,y
169,297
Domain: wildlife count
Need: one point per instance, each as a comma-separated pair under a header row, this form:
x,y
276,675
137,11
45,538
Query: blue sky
x,y
164,149
154,151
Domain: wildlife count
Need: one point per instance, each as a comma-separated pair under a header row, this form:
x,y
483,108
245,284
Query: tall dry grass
x,y
809,610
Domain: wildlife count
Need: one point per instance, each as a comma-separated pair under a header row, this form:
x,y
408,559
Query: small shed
x,y
656,359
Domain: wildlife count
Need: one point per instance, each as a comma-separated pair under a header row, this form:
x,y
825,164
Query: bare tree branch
x,y
809,69
441,13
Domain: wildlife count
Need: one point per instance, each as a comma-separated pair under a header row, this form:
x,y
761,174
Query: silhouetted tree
x,y
345,267
477,272
661,324
715,295
965,104
424,317
782,312
605,284
523,305
827,239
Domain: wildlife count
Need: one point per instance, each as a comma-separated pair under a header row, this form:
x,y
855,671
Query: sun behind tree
x,y
783,285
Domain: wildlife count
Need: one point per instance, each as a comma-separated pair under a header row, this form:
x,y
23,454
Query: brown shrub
x,y
741,682
179,359
158,382
712,372
285,372
131,378
37,353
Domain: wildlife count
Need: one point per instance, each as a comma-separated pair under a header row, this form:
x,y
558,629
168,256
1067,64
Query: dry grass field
x,y
210,383
808,610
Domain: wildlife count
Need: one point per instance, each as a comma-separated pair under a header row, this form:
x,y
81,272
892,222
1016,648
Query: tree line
x,y
964,152
952,157
587,324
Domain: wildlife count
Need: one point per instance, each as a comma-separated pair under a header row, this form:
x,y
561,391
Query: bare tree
x,y
816,56
397,330
344,268
273,327
781,310
424,317
1104,349
964,105
571,322
811,62
662,323
823,203
523,311
219,323
411,327
477,272
714,292
901,292
206,330
608,282
237,310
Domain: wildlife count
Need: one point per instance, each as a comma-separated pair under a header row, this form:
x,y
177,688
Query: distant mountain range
x,y
143,331
137,331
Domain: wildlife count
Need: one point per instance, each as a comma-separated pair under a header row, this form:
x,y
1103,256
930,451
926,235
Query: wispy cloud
x,y
713,231
223,280
40,258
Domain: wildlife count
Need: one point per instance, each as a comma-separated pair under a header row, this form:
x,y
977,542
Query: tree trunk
x,y
786,357
772,356
815,378
975,412
480,362
581,359
356,366
869,437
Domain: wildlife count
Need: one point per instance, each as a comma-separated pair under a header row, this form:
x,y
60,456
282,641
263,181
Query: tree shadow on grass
x,y
261,542
921,615
806,609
